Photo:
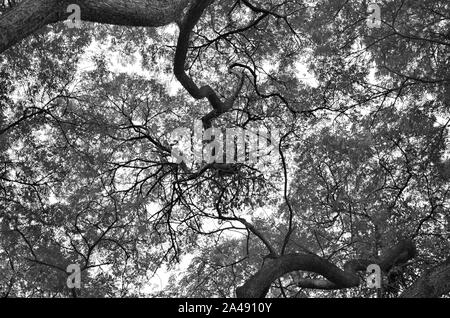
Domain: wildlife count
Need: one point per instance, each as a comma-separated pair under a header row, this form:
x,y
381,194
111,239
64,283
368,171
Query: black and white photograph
x,y
247,151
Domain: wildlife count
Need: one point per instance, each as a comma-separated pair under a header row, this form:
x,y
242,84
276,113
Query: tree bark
x,y
259,284
432,284
219,106
31,15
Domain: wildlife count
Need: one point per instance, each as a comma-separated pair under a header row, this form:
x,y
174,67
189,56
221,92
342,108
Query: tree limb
x,y
186,26
29,16
259,284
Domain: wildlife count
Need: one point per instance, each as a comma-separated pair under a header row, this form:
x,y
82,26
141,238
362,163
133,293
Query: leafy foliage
x,y
87,177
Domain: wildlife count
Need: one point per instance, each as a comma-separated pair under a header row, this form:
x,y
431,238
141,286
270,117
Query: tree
x,y
360,174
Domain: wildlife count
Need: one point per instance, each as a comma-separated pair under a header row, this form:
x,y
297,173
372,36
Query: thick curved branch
x,y
258,285
186,26
227,105
31,15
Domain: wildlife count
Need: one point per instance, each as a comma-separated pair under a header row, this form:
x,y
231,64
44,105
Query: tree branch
x,y
259,284
186,26
31,15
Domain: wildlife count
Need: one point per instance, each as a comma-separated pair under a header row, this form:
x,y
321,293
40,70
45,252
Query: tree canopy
x,y
359,173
